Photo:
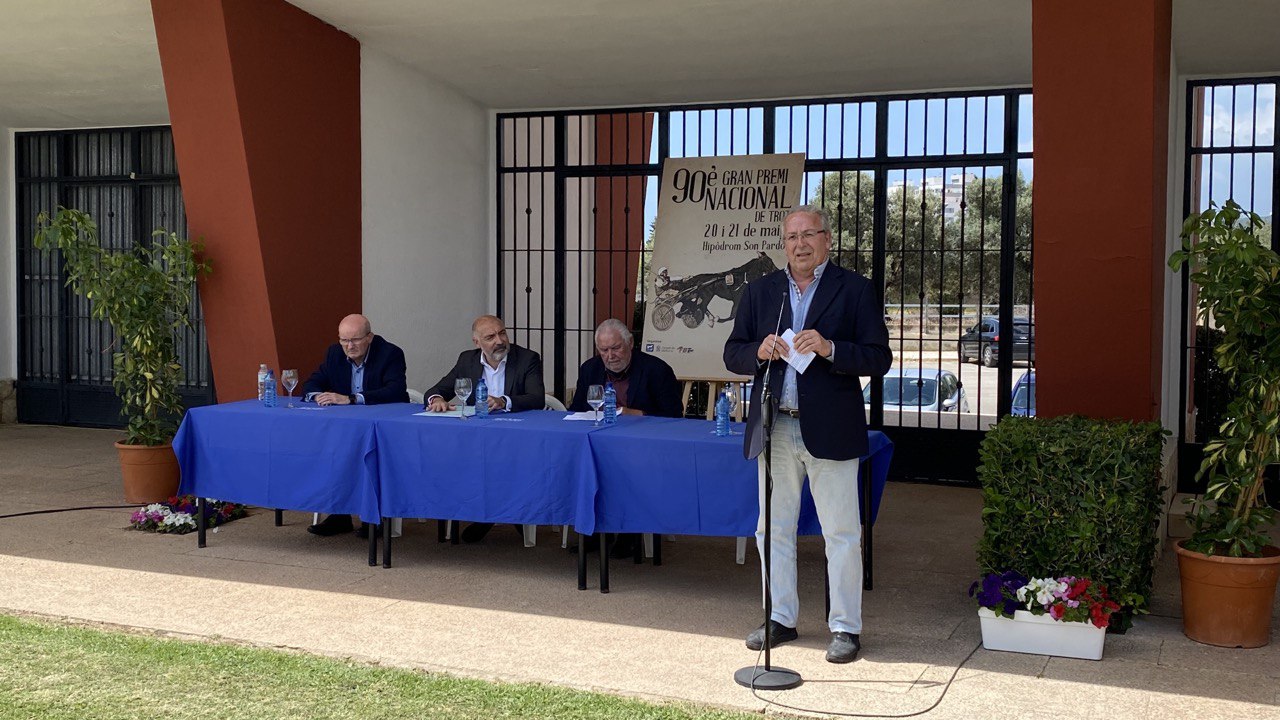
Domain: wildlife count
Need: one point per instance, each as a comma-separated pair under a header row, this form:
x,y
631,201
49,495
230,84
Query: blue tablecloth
x,y
302,458
676,476
531,467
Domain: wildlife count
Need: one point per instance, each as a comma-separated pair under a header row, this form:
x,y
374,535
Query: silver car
x,y
922,389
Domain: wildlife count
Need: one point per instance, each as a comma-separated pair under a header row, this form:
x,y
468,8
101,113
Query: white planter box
x,y
1041,635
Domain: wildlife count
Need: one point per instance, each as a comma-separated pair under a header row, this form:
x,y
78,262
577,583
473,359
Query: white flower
x,y
157,507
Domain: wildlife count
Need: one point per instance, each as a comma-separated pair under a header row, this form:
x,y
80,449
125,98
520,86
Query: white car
x,y
921,389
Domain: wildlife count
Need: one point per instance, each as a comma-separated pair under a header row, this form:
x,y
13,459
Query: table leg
x,y
657,549
200,536
604,563
386,544
373,544
582,562
441,535
279,517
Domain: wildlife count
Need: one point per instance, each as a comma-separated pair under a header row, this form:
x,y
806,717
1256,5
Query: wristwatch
x,y
352,399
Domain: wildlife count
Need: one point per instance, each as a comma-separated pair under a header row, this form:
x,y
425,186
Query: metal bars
x,y
127,180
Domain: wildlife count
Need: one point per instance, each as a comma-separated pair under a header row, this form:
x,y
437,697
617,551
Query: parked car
x,y
1024,395
921,389
981,342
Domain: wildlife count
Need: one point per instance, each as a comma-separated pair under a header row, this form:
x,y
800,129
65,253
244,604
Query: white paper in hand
x,y
799,361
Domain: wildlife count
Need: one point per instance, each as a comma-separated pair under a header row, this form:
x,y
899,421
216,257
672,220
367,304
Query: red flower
x,y
1078,588
1055,611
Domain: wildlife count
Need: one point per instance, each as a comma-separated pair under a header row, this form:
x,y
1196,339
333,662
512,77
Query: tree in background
x,y
930,260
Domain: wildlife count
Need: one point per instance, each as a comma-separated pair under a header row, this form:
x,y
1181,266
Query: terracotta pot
x,y
150,472
1226,601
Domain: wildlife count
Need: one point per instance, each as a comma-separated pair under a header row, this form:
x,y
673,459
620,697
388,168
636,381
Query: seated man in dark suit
x,y
512,373
645,385
360,369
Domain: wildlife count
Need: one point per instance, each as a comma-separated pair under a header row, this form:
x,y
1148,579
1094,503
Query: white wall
x,y
425,159
8,260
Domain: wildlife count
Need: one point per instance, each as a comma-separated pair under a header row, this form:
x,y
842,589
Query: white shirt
x,y
495,380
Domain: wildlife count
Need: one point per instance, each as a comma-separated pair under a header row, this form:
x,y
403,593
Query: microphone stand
x,y
753,676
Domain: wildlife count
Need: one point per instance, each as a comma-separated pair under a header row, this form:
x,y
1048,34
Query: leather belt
x,y
789,412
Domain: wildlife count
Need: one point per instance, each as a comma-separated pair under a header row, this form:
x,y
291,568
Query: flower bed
x,y
1065,616
178,515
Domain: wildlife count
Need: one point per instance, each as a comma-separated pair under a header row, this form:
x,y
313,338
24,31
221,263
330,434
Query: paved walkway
x,y
498,610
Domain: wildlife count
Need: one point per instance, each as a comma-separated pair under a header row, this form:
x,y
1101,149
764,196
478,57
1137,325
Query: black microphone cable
x,y
69,509
758,696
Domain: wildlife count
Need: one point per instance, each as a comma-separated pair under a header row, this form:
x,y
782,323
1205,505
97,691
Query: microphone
x,y
777,328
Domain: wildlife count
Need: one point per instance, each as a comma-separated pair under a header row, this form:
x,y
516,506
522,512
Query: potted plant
x,y
1229,566
1065,617
1074,496
144,292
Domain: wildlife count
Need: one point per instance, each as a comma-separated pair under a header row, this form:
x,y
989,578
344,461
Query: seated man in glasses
x,y
512,374
360,369
645,385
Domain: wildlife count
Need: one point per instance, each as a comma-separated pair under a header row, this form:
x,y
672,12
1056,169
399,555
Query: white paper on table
x,y
445,414
799,361
586,415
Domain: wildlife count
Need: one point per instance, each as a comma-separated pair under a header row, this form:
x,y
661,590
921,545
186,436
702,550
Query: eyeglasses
x,y
806,235
354,341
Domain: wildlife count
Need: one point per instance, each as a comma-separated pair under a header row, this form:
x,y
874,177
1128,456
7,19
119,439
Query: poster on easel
x,y
719,227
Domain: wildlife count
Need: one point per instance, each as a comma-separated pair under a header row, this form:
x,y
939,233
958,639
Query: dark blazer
x,y
652,387
844,310
384,374
523,378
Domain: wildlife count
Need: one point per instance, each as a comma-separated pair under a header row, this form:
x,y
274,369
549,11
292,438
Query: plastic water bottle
x,y
610,404
722,415
482,399
269,390
262,379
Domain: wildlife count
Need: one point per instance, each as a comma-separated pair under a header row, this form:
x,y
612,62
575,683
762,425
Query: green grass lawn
x,y
48,670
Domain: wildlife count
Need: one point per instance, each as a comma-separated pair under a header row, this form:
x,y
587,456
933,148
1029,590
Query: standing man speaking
x,y
820,428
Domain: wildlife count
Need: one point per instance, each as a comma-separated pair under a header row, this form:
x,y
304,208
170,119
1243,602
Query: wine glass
x,y
731,391
595,398
462,388
290,380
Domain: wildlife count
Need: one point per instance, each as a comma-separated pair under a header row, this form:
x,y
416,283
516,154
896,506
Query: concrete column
x,y
265,105
1101,83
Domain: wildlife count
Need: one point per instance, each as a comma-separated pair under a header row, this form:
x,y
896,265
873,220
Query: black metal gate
x,y
127,179
931,199
1230,154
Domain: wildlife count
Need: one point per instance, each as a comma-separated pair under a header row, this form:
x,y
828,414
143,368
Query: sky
x,y
846,130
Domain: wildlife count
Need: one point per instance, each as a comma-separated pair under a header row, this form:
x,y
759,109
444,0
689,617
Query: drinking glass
x,y
595,398
290,380
462,388
731,392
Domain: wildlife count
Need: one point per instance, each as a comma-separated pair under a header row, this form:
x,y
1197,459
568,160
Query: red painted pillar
x,y
265,105
1101,83
621,139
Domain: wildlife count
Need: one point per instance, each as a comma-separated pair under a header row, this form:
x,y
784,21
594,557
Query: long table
x,y
640,475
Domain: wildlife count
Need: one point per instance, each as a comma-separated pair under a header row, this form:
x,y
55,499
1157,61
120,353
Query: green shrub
x,y
1073,496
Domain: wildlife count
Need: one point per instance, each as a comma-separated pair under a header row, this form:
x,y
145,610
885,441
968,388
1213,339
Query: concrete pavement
x,y
500,611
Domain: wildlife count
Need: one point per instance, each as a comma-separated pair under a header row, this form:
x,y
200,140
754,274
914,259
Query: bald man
x,y
360,369
512,374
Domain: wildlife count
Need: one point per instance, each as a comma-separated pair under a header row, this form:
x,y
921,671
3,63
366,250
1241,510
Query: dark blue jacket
x,y
523,378
384,374
652,387
844,310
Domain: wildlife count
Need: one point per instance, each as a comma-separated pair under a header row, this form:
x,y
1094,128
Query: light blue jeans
x,y
834,484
